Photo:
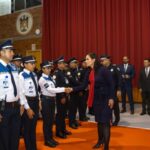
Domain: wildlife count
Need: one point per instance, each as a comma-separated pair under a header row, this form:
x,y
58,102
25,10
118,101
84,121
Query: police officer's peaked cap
x,y
72,60
6,45
17,57
28,59
104,56
45,64
59,60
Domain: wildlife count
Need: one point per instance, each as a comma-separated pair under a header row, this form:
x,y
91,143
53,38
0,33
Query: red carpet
x,y
86,136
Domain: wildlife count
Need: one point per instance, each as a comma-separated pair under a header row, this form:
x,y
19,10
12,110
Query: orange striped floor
x,y
85,137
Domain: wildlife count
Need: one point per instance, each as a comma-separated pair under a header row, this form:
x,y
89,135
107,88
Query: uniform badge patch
x,y
54,77
111,70
68,73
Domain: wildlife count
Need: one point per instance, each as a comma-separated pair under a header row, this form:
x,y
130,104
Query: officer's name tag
x,y
5,82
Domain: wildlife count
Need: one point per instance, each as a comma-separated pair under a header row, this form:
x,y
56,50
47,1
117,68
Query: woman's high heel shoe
x,y
98,144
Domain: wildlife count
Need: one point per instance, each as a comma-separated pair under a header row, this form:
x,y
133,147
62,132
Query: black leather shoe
x,y
142,113
67,132
55,142
123,110
149,113
85,119
98,144
77,124
50,144
61,135
132,112
115,123
73,126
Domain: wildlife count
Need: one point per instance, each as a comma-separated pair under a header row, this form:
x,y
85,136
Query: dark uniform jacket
x,y
61,81
116,76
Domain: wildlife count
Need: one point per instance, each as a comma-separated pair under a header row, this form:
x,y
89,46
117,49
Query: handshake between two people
x,y
68,90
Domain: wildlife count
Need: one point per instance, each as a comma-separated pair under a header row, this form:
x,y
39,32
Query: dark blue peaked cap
x,y
45,64
7,45
72,60
104,56
59,60
28,59
17,57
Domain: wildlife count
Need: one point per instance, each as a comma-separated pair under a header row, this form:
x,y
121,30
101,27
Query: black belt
x,y
48,97
11,104
32,98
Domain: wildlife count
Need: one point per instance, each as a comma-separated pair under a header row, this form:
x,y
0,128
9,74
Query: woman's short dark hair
x,y
97,63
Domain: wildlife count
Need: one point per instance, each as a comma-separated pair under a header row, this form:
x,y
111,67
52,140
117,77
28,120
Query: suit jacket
x,y
103,91
144,82
130,72
104,85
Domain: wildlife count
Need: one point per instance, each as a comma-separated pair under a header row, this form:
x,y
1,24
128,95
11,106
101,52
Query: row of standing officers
x,y
19,94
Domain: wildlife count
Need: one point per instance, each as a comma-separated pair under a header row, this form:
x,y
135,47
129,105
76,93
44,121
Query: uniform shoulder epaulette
x,y
2,68
25,75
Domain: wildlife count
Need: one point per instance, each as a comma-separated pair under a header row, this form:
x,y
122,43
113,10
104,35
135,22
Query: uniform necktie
x,y
35,84
12,80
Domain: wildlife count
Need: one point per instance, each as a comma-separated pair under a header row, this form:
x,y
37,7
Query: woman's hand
x,y
111,103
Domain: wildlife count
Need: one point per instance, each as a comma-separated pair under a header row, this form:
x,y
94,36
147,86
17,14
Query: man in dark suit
x,y
127,74
144,85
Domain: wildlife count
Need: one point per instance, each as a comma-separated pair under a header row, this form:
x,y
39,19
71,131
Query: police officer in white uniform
x,y
29,96
48,94
9,104
17,61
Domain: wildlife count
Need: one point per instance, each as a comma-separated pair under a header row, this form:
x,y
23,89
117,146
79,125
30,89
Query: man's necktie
x,y
12,80
125,67
35,84
146,71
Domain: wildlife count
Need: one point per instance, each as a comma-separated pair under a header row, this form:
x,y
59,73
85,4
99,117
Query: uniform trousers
x,y
9,126
30,125
60,115
48,112
146,101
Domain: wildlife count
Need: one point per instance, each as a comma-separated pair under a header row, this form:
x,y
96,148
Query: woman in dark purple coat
x,y
101,94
